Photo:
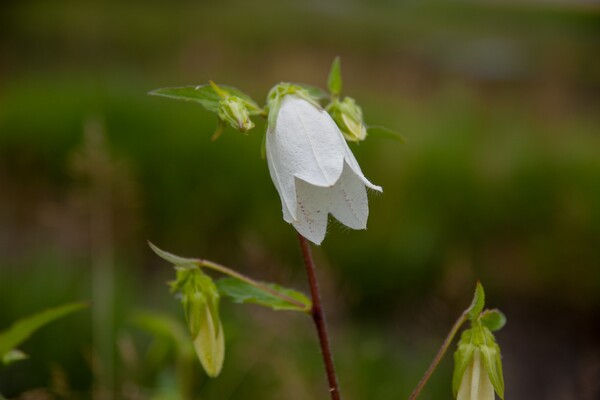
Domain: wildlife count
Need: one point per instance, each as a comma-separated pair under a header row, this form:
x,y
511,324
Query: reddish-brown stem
x,y
318,316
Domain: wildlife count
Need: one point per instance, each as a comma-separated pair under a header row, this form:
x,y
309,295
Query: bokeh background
x,y
499,181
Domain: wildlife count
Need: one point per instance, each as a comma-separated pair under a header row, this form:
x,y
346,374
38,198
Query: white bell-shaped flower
x,y
314,170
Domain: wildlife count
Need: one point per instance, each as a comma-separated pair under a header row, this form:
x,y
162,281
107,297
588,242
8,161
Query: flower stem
x,y
438,357
318,316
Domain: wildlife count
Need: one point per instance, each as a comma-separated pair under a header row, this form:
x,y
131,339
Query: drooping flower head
x,y
311,165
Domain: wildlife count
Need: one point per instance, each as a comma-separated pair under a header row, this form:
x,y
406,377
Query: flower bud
x,y
200,300
348,117
234,111
209,343
477,365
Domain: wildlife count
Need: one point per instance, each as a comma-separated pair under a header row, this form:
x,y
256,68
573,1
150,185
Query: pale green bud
x,y
209,342
349,118
477,365
200,299
234,111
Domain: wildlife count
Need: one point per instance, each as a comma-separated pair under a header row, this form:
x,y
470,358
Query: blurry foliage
x,y
499,180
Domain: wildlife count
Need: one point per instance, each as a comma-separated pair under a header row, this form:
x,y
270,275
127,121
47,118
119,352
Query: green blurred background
x,y
499,181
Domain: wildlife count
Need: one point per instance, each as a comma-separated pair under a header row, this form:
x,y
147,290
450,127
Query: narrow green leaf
x,y
243,292
477,304
12,356
25,327
384,132
206,96
493,319
172,258
334,83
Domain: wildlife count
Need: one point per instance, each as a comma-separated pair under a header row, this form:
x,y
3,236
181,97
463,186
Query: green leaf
x,y
206,96
384,132
493,319
334,82
172,258
13,356
271,295
477,304
25,327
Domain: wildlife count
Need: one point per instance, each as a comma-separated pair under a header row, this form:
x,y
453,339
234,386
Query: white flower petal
x,y
305,144
311,219
346,201
352,163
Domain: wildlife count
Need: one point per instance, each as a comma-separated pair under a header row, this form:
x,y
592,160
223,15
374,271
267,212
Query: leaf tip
x,y
478,302
334,82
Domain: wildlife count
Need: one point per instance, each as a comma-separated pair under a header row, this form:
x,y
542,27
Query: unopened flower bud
x,y
200,300
209,343
234,111
477,365
348,117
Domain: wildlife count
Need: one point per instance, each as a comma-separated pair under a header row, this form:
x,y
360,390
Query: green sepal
x,y
200,293
22,329
183,275
172,258
234,112
492,360
279,91
207,96
462,358
196,291
12,356
334,81
243,292
477,304
314,92
493,319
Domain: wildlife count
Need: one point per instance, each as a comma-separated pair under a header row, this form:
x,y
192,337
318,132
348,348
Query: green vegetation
x,y
499,180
